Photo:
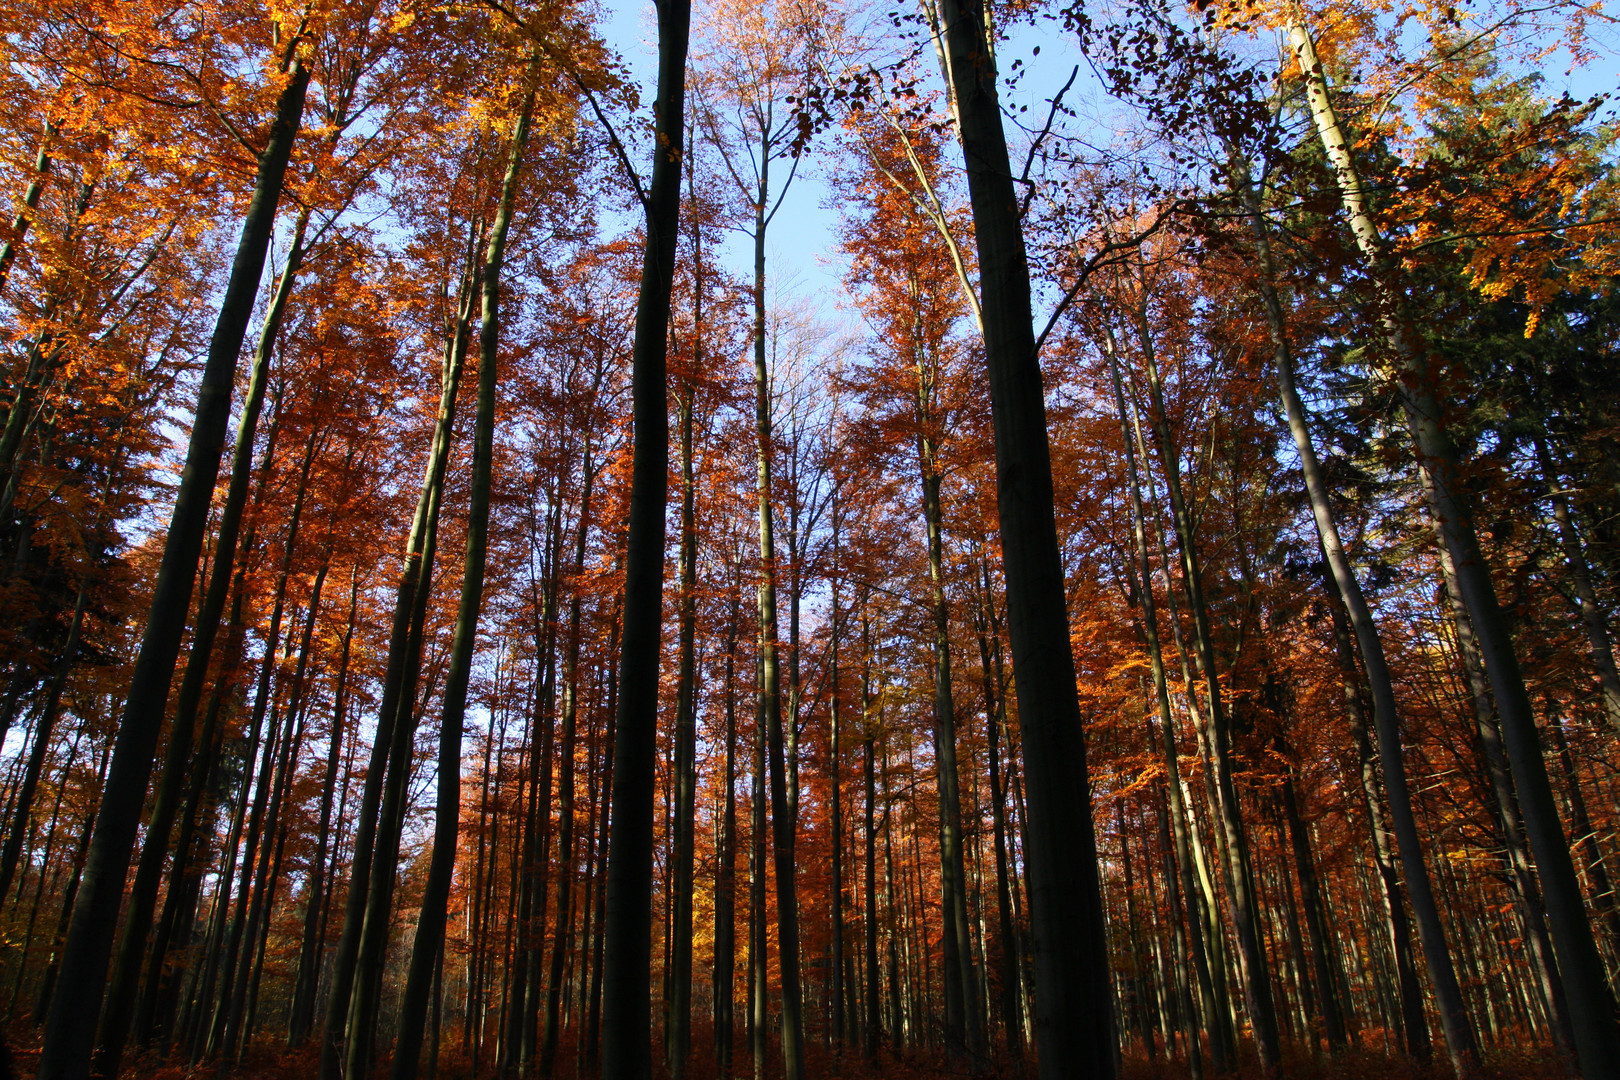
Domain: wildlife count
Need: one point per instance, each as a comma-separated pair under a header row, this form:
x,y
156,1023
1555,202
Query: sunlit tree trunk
x,y
1184,883
1591,1002
1232,836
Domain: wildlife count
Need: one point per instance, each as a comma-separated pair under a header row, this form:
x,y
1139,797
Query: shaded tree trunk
x,y
1074,1007
627,960
71,1024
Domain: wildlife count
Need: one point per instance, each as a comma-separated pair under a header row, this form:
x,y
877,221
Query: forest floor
x,y
272,1062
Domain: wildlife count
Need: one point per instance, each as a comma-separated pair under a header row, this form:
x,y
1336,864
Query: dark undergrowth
x,y
270,1061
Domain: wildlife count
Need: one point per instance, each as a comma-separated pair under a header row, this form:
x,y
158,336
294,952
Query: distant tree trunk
x,y
1310,890
1232,836
874,1003
627,963
415,575
71,1024
995,721
758,962
840,1018
962,1026
1170,753
421,974
678,1022
313,947
1414,1026
1074,1024
225,1027
565,778
725,884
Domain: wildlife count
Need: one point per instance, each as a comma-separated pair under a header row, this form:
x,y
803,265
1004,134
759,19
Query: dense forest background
x,y
467,610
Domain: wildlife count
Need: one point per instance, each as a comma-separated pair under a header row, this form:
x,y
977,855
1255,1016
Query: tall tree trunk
x,y
1414,1026
415,574
1310,891
1171,755
995,722
126,971
758,962
1074,1022
426,949
725,883
678,1022
782,786
565,770
627,1003
71,1024
1454,1020
1232,835
962,1029
841,1021
1591,1004
874,1003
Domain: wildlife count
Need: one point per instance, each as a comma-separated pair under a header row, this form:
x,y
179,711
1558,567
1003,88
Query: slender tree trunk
x,y
1310,890
627,1003
421,976
1591,1003
725,884
1170,753
1232,835
71,1024
678,1024
312,950
962,1026
995,721
782,793
874,1002
415,575
1414,1033
1454,1020
758,962
565,778
841,1021
1074,1020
